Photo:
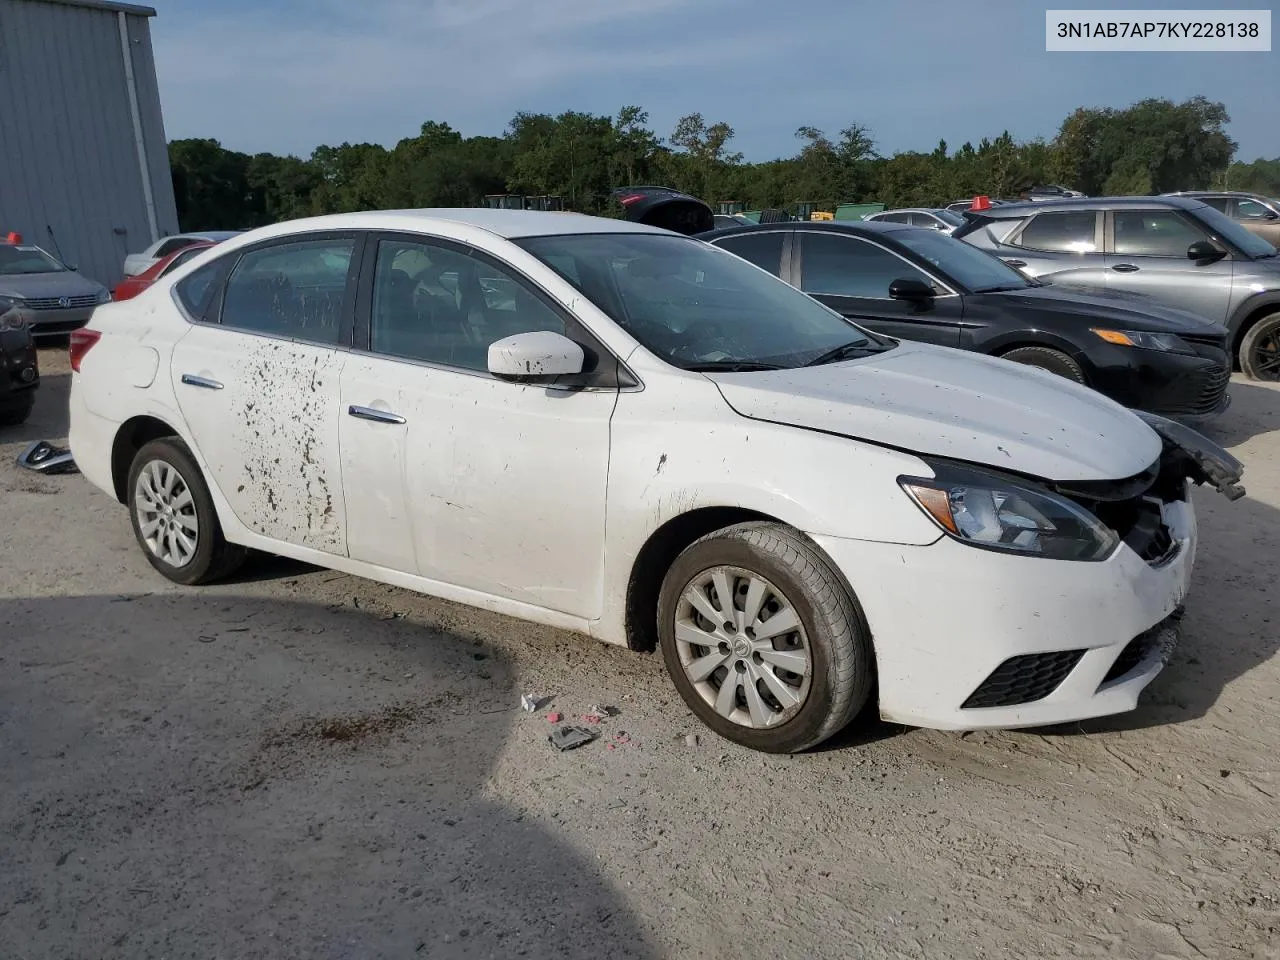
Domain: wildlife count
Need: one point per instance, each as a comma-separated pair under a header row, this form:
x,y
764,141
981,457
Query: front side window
x,y
762,249
1220,225
438,304
293,290
1252,210
842,266
976,270
693,305
1068,231
1155,233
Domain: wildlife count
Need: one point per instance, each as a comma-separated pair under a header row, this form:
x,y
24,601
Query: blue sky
x,y
286,75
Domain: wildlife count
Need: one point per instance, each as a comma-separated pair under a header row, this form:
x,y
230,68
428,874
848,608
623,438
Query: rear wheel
x,y
1046,358
763,639
15,415
1260,349
173,516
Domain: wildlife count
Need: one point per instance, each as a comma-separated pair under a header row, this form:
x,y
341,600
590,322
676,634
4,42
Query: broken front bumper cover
x,y
44,457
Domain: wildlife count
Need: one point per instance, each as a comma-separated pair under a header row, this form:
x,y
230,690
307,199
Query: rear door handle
x,y
1016,263
1125,268
377,416
191,380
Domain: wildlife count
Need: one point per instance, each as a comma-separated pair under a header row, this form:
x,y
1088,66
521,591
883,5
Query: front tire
x,y
763,639
1046,358
173,516
1260,350
17,415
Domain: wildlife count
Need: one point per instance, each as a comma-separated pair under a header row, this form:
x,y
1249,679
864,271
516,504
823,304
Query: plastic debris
x,y
554,717
691,740
592,718
530,702
43,457
621,737
570,737
598,711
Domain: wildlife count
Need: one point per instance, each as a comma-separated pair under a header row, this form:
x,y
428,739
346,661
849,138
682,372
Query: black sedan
x,y
922,285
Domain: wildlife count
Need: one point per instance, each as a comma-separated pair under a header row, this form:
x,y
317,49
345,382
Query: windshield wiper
x,y
732,366
1002,288
848,351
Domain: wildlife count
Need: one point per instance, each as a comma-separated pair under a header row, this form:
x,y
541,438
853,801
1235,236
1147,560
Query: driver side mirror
x,y
909,288
1204,253
539,356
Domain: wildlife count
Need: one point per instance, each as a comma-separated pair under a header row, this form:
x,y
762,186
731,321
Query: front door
x,y
1147,254
852,275
465,479
258,387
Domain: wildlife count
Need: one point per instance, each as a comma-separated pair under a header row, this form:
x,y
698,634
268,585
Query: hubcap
x,y
166,514
743,647
1266,357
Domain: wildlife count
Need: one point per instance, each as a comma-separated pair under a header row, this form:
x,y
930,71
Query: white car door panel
x,y
260,390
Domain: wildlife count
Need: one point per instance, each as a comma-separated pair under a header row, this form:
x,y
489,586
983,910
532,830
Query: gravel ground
x,y
303,764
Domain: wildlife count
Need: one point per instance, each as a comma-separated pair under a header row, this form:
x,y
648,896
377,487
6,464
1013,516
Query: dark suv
x,y
1177,250
19,369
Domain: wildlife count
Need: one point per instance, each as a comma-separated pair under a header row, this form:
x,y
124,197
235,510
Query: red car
x,y
132,286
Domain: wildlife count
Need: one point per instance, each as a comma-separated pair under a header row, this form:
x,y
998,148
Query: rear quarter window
x,y
196,291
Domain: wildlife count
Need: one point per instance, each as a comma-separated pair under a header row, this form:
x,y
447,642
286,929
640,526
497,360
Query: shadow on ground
x,y
222,776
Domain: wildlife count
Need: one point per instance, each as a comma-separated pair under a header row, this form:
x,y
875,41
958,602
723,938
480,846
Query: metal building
x,y
84,165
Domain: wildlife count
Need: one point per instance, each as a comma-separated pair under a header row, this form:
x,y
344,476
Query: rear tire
x,y
1046,358
17,415
173,516
1260,350
789,690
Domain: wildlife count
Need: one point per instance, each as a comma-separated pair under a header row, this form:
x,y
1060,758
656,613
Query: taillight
x,y
81,341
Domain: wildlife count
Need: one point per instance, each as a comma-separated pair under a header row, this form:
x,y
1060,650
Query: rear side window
x,y
1155,233
1218,203
1067,231
762,249
293,290
184,257
196,291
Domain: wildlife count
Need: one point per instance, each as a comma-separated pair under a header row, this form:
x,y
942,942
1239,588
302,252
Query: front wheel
x,y
1260,350
17,415
173,516
1046,358
763,639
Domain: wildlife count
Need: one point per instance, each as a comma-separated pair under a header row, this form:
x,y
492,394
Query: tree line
x,y
1152,146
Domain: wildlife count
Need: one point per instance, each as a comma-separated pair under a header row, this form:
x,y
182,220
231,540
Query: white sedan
x,y
628,433
144,260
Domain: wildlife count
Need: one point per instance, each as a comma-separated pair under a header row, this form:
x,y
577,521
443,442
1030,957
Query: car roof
x,y
1014,210
880,213
510,224
827,226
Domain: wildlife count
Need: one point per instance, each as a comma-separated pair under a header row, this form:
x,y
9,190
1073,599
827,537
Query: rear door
x,y
852,276
256,379
1147,254
1062,246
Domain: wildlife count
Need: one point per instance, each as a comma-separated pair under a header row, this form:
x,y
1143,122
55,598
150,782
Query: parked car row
x,y
608,426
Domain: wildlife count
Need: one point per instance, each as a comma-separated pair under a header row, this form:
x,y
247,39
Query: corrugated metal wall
x,y
70,179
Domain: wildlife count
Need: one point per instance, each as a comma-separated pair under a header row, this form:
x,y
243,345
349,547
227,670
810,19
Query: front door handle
x,y
377,416
191,380
1016,263
1125,268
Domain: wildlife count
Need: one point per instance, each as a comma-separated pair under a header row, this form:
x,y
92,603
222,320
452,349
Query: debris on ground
x,y
691,740
592,719
571,737
554,717
599,711
43,457
531,702
621,737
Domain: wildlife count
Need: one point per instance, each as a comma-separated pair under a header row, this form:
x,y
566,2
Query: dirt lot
x,y
302,764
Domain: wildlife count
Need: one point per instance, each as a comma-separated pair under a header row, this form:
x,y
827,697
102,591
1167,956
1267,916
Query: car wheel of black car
x,y
1260,349
763,639
173,516
1046,358
15,415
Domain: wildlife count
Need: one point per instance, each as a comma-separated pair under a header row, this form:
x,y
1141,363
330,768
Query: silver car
x,y
1173,249
931,218
44,292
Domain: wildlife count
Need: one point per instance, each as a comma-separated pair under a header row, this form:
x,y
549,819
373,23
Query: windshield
x,y
950,216
974,269
18,260
1250,244
696,306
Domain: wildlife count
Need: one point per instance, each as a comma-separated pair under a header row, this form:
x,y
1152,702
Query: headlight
x,y
1168,342
104,296
1001,513
10,317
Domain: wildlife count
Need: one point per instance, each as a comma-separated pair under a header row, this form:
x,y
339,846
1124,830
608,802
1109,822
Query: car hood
x,y
963,406
1117,309
64,283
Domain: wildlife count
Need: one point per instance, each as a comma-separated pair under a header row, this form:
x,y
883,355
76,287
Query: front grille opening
x,y
1134,509
1024,679
1138,650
